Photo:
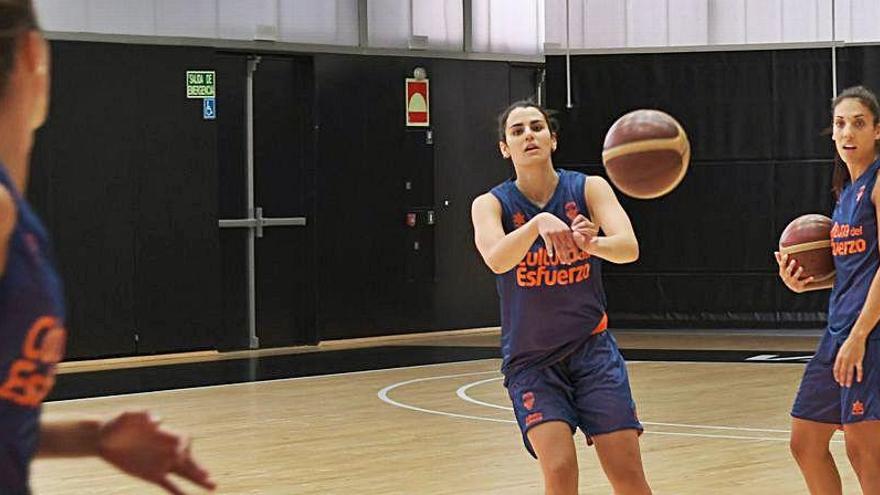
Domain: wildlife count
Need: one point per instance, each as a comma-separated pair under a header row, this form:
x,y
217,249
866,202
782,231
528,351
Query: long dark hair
x,y
867,98
16,17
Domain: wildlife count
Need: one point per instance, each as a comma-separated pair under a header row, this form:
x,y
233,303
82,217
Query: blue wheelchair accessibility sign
x,y
209,109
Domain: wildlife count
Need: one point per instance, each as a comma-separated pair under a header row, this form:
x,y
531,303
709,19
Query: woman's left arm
x,y
619,244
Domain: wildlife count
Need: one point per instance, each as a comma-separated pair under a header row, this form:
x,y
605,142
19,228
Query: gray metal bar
x,y
252,64
468,27
410,20
542,80
258,214
284,222
262,222
568,103
238,223
363,24
833,51
253,340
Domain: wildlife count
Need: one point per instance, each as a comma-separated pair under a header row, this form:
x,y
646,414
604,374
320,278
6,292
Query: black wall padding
x,y
801,104
284,186
469,164
83,187
284,183
131,182
759,159
361,197
177,239
125,176
231,72
857,65
714,95
364,288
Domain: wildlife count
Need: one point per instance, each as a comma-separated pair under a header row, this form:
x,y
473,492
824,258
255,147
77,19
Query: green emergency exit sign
x,y
200,84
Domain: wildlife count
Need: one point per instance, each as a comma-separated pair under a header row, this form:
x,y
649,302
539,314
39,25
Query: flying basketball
x,y
807,240
646,153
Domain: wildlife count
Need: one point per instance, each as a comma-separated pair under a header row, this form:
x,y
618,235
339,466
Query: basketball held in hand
x,y
807,240
646,153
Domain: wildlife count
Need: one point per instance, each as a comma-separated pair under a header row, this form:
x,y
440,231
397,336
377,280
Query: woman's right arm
x,y
792,277
501,251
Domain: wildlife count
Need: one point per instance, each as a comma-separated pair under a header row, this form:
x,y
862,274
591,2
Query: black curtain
x,y
759,159
124,174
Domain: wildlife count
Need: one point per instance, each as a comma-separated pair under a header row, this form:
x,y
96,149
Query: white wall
x,y
326,22
498,26
508,26
659,23
302,21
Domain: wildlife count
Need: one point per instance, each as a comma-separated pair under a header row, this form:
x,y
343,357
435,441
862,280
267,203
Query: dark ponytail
x,y
16,17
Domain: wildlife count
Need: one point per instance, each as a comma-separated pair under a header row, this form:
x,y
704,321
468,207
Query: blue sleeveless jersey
x,y
32,340
854,245
546,306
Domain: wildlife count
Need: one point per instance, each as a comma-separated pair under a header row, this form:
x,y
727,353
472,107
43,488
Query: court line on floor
x,y
383,395
462,393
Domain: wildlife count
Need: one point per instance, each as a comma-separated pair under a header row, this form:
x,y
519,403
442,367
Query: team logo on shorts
x,y
858,408
534,418
528,400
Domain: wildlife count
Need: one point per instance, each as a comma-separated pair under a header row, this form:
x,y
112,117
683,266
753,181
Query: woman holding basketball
x,y
539,233
841,384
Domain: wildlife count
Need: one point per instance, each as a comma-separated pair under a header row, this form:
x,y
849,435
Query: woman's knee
x,y
628,479
863,452
805,449
560,467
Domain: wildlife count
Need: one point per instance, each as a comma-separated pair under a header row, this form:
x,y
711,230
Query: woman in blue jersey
x,y
32,334
539,233
841,384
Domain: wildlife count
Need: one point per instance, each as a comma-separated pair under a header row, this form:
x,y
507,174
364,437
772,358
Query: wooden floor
x,y
711,428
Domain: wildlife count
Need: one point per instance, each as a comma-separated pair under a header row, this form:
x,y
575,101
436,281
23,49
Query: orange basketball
x,y
646,153
807,240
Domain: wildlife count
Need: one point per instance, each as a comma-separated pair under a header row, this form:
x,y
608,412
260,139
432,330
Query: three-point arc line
x,y
462,393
